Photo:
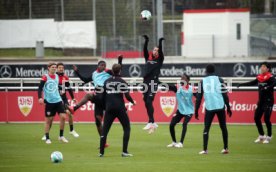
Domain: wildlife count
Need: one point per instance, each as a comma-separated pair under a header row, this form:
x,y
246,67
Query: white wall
x,y
25,33
213,34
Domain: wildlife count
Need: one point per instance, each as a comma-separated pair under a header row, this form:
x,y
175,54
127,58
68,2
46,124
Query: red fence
x,y
19,106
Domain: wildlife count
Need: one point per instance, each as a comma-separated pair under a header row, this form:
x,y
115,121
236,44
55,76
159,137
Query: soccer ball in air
x,y
56,157
146,15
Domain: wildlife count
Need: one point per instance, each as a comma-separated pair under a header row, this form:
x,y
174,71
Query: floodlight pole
x,y
159,9
30,9
62,10
114,18
134,21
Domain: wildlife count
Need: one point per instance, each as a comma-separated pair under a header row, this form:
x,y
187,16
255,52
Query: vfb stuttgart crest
x,y
25,104
167,105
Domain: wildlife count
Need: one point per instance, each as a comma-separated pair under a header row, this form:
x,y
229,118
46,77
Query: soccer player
x,y
65,86
52,100
98,77
114,90
154,61
185,108
215,97
266,83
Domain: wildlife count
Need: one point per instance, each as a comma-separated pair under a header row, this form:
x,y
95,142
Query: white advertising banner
x,y
69,34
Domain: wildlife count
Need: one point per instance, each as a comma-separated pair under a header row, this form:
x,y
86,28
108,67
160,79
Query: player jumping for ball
x,y
154,61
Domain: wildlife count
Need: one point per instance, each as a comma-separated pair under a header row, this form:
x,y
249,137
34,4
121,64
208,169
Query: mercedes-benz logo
x,y
5,71
239,70
135,70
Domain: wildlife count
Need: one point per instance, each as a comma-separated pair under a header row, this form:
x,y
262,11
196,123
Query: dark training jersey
x,y
64,85
153,64
113,96
266,83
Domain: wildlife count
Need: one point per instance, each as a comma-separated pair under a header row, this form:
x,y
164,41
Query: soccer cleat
x,y
155,125
179,145
126,154
63,139
267,140
203,152
173,144
151,130
260,139
48,141
74,133
225,151
101,155
43,138
148,126
71,109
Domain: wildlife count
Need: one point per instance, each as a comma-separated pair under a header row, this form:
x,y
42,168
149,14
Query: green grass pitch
x,y
21,149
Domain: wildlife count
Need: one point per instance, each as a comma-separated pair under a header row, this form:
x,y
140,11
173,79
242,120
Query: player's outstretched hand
x,y
75,68
146,37
40,101
120,58
229,112
162,39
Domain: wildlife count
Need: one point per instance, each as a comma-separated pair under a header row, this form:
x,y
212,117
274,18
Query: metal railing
x,y
22,83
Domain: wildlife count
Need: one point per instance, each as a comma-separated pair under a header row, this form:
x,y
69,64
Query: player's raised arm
x,y
120,60
146,52
160,49
83,78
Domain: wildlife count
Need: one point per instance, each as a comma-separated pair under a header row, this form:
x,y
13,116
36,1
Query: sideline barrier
x,y
18,106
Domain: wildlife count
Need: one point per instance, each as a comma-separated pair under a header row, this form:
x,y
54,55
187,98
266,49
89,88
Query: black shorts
x,y
65,102
99,104
52,108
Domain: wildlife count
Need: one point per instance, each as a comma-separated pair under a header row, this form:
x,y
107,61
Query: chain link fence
x,y
118,23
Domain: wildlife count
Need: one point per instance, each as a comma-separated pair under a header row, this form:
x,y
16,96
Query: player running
x,y
114,90
154,61
266,83
52,100
215,97
99,76
185,108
